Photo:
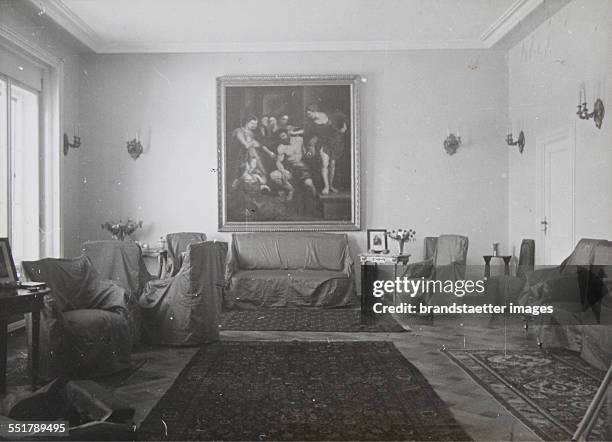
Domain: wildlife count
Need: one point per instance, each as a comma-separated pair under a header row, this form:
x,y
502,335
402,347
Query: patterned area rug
x,y
305,319
258,390
549,391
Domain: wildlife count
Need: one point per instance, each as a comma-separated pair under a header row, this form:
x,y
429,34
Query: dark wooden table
x,y
22,302
487,259
369,273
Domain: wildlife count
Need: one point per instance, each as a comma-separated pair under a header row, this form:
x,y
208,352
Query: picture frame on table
x,y
8,272
377,240
288,153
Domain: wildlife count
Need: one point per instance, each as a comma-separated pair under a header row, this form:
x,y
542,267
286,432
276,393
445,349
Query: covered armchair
x,y
176,245
580,292
184,309
444,259
122,263
85,328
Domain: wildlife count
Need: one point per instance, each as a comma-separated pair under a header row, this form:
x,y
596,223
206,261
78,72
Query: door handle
x,y
545,224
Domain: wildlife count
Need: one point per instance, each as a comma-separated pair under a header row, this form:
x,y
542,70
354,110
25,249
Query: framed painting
x,y
288,153
377,240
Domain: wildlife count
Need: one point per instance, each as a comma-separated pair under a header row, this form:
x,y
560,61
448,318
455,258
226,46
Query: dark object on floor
x,y
547,391
176,245
300,391
92,412
85,328
308,320
184,309
289,269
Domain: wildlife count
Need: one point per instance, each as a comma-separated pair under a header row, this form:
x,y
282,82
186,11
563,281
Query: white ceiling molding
x,y
286,46
508,21
71,22
501,28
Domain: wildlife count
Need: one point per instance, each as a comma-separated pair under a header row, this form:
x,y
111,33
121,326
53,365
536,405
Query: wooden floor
x,y
481,415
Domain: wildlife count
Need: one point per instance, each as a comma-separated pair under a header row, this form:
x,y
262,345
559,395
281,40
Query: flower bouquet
x,y
121,229
401,236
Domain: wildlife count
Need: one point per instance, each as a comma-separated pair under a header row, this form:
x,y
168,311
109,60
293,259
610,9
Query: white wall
x,y
408,101
20,18
545,70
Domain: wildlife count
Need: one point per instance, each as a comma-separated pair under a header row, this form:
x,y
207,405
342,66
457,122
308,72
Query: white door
x,y
558,222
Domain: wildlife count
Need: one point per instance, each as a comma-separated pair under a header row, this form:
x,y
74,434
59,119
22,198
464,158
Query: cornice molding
x,y
508,21
298,46
63,16
500,28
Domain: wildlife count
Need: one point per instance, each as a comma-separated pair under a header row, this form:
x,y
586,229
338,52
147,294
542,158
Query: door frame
x,y
567,132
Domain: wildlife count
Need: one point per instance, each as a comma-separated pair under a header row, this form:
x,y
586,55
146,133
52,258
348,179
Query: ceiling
x,y
117,26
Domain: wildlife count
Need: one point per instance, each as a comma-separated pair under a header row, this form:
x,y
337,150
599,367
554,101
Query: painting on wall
x,y
288,153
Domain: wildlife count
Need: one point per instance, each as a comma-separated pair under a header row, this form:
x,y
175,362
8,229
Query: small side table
x,y
487,260
369,273
162,259
24,301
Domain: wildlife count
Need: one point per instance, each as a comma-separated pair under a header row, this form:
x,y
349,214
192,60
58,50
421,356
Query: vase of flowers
x,y
401,236
121,229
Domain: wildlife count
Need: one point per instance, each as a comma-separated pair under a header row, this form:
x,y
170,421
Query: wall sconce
x,y
452,143
134,147
76,141
520,142
583,112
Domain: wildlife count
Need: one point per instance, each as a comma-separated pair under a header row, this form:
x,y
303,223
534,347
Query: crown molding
x,y
63,16
508,21
297,46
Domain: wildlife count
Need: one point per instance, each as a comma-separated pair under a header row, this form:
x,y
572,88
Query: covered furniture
x,y
580,292
505,289
85,329
122,263
184,309
176,245
444,260
297,269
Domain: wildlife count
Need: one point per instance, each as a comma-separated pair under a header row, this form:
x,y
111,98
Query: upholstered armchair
x,y
176,245
580,292
184,309
122,263
85,328
444,259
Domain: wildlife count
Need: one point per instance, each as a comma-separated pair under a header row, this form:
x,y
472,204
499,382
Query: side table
x,y
487,260
369,273
24,301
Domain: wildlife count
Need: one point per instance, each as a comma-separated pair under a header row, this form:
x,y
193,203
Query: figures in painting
x,y
285,167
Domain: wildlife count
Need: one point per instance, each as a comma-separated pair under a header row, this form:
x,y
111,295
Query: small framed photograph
x,y
377,240
7,266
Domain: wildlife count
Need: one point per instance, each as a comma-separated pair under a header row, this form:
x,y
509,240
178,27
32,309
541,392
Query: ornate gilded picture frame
x,y
288,153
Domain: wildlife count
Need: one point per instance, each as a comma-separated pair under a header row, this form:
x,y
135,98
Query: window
x,y
20,157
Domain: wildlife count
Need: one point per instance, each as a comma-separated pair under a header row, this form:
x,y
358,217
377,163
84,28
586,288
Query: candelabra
x,y
583,111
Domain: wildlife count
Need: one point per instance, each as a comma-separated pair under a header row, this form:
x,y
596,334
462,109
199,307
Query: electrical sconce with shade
x,y
520,142
452,142
134,146
583,112
76,140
